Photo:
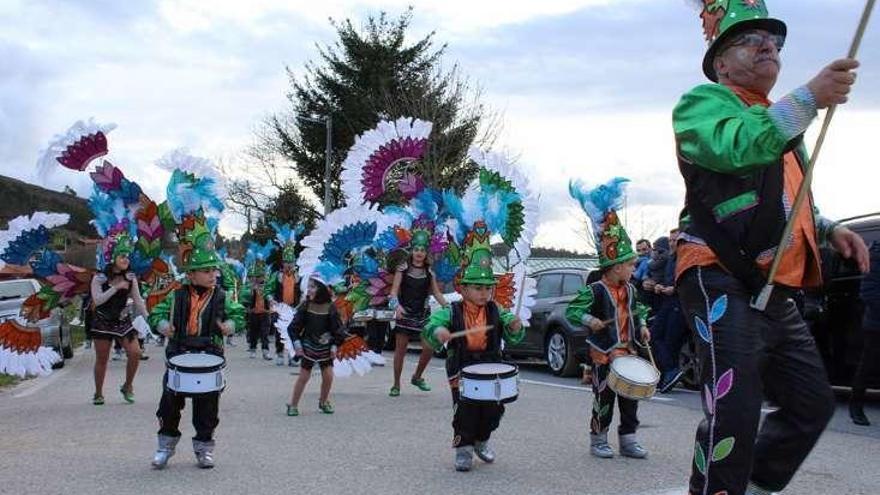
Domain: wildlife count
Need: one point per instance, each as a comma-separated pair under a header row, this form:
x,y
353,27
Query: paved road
x,y
52,441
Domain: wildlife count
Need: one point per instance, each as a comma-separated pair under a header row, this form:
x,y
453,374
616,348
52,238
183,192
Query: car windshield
x,y
16,289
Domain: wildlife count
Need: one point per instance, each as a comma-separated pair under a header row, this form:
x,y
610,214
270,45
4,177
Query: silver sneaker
x,y
629,447
252,353
279,360
204,453
266,356
464,458
166,448
599,446
484,452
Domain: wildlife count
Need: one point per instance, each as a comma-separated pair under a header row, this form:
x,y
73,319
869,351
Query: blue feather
x,y
600,200
445,270
345,240
46,263
25,245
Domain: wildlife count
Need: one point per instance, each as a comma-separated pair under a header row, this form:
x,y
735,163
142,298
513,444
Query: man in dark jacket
x,y
869,364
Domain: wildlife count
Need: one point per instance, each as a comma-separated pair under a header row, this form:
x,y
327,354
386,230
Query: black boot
x,y
857,409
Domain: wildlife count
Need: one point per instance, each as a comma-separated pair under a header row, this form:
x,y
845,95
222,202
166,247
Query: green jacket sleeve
x,y
160,315
640,315
509,335
439,318
580,306
234,311
271,285
715,130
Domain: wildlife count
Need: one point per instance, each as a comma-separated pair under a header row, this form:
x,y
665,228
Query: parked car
x,y
835,313
550,336
54,332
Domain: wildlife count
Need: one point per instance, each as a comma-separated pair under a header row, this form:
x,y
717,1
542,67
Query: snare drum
x,y
490,382
633,377
195,374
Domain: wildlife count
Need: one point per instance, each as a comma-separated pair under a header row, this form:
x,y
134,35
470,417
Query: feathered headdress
x,y
76,148
287,237
256,256
601,204
369,168
195,185
21,352
25,242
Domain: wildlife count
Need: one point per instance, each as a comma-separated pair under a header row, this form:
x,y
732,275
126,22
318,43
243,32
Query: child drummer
x,y
609,309
472,422
195,317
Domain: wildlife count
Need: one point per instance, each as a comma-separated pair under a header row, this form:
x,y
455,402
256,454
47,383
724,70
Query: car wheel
x,y
690,367
559,354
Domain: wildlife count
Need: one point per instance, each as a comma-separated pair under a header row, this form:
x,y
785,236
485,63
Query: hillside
x,y
21,198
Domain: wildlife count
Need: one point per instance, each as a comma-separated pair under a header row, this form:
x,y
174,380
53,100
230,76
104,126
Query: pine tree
x,y
373,74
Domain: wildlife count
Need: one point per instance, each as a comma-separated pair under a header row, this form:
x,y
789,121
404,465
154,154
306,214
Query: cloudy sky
x,y
585,87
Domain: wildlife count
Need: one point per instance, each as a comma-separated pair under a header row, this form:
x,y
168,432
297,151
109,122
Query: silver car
x,y
55,333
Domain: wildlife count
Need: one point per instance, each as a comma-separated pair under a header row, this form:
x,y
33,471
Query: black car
x,y
550,336
835,312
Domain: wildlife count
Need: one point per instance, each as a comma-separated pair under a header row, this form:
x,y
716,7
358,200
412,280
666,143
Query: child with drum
x,y
609,309
195,319
316,330
478,326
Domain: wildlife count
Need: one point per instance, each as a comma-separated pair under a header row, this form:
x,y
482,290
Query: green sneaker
x,y
292,411
394,392
326,407
421,384
98,400
128,396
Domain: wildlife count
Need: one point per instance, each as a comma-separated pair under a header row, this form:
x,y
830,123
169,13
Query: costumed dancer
x,y
197,316
232,277
256,298
615,319
285,287
111,289
24,242
316,332
413,282
742,160
497,203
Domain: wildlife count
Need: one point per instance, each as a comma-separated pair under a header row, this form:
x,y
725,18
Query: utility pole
x,y
328,199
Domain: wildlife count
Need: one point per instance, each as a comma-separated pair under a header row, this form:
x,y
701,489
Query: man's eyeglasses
x,y
756,40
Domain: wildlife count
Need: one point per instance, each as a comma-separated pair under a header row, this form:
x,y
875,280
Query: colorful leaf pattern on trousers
x,y
700,459
709,400
723,449
702,329
725,383
719,307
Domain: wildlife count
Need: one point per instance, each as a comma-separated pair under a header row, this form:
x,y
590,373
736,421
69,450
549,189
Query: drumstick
x,y
469,331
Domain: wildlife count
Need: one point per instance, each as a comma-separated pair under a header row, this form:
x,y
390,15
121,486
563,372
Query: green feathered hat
x,y
724,19
477,259
197,250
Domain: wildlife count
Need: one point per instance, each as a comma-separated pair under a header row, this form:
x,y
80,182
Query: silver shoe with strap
x,y
464,458
167,444
204,453
629,447
599,446
484,452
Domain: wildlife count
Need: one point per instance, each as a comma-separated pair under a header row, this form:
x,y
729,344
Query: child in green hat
x,y
609,309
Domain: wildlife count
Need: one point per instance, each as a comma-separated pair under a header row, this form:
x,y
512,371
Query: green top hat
x,y
615,245
197,250
477,269
723,19
421,238
122,245
288,253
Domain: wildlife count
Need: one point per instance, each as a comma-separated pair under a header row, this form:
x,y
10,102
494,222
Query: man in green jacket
x,y
742,159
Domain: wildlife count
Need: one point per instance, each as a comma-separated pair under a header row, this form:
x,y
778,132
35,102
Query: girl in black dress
x,y
316,331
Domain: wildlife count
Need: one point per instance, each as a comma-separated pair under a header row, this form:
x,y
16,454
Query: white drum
x,y
633,377
194,374
490,382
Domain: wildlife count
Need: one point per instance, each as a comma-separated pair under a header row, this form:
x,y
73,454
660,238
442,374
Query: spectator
x,y
643,249
669,332
868,371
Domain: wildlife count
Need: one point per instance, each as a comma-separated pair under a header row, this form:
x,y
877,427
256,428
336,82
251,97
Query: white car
x,y
55,334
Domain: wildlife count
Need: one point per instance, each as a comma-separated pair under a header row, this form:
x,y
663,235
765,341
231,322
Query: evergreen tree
x,y
373,74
